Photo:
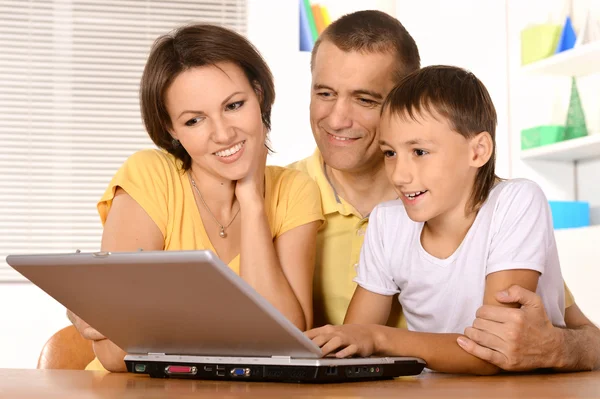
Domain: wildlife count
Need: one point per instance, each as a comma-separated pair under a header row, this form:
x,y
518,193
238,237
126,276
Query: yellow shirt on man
x,y
153,178
339,242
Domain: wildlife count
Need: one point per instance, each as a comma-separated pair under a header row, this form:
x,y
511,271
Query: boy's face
x,y
429,165
346,95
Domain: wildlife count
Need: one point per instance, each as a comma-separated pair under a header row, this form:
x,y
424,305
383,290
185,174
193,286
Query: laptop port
x,y
240,372
140,368
220,367
220,373
181,370
208,368
331,370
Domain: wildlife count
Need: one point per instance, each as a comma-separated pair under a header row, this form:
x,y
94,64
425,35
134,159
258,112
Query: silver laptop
x,y
186,314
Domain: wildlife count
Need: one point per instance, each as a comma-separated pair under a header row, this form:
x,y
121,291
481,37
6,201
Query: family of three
x,y
457,266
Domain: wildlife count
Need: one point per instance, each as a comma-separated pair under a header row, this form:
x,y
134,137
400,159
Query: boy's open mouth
x,y
413,195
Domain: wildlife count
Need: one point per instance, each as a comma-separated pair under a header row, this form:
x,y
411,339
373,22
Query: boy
x,y
458,235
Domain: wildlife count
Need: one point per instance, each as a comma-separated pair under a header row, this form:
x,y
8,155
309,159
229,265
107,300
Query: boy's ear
x,y
482,148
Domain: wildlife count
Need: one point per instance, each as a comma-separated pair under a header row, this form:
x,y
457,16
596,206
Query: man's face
x,y
346,95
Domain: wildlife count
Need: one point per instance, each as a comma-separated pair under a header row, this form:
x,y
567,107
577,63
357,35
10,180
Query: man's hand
x,y
514,339
347,340
84,328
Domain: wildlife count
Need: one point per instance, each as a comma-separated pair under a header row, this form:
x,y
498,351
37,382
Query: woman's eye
x,y
235,105
420,153
389,153
192,122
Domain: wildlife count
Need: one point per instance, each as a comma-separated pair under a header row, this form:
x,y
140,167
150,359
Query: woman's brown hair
x,y
196,46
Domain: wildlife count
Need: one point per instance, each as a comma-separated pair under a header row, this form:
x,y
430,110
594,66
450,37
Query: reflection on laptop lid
x,y
186,314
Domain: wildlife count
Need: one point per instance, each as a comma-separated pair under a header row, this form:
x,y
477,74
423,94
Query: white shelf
x,y
578,149
579,61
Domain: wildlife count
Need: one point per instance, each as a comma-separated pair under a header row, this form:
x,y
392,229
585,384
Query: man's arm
x,y
580,349
525,339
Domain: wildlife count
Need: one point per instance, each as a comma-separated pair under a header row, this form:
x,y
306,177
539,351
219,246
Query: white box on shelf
x,y
579,61
582,148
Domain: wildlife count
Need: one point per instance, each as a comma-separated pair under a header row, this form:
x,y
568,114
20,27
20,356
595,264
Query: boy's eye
x,y
420,153
389,153
235,105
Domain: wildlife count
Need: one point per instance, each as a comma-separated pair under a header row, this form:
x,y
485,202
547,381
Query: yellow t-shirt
x,y
338,249
153,178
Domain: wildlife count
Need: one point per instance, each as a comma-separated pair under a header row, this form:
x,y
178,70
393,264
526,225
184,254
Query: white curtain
x,y
69,111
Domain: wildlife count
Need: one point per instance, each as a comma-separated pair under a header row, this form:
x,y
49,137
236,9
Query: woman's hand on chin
x,y
251,188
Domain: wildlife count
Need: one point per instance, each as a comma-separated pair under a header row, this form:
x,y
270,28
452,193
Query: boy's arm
x,y
441,351
367,307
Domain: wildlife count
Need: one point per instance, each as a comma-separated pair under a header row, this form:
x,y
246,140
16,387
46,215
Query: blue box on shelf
x,y
570,214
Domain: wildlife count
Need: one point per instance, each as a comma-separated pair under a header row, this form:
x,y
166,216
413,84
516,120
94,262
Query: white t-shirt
x,y
512,230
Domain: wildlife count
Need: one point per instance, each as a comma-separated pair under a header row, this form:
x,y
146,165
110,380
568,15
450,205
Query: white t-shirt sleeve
x,y
374,272
523,230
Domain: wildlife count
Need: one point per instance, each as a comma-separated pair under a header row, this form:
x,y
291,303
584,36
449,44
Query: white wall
x,y
28,317
536,100
579,255
277,39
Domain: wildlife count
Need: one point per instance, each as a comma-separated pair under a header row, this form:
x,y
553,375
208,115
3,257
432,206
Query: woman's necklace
x,y
222,232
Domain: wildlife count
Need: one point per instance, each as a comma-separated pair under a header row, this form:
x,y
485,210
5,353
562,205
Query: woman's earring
x,y
175,143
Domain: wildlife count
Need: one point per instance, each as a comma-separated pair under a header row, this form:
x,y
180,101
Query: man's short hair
x,y
372,32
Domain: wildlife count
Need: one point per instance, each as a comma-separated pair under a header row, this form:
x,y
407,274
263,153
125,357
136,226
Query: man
x,y
355,63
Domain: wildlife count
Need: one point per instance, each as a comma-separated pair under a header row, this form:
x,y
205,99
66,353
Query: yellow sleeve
x,y
95,365
569,299
303,200
145,176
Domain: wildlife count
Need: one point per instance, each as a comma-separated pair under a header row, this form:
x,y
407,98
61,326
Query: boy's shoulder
x,y
513,197
522,188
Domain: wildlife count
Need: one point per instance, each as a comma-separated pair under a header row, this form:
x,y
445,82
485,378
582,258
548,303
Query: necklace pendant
x,y
222,233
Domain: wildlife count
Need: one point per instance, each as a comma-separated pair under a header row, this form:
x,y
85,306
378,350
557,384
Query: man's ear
x,y
482,148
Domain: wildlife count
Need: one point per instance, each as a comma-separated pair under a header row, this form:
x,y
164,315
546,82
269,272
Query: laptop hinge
x,y
281,357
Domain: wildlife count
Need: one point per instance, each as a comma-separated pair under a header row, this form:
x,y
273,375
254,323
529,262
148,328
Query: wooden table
x,y
89,384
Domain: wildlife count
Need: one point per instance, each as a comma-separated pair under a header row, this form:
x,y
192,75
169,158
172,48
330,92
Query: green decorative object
x,y
539,42
541,135
575,125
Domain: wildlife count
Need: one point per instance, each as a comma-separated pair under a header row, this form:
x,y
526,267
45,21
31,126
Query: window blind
x,y
69,111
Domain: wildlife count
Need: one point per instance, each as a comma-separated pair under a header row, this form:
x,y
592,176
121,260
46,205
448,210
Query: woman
x,y
206,96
